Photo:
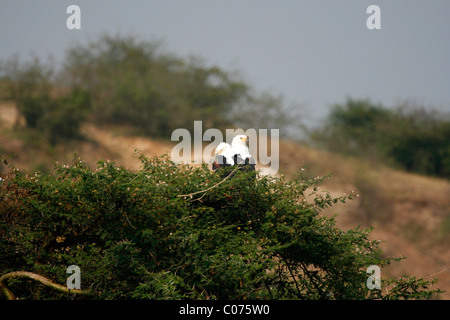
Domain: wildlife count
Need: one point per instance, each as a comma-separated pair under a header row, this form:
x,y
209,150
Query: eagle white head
x,y
239,146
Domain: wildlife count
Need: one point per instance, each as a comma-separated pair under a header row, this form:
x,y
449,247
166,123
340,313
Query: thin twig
x,y
246,293
432,275
204,292
293,278
305,269
214,186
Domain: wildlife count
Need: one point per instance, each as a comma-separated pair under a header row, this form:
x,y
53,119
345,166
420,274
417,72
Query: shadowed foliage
x,y
175,232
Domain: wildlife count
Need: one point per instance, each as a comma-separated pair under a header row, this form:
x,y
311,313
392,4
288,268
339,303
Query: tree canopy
x,y
173,232
410,137
122,80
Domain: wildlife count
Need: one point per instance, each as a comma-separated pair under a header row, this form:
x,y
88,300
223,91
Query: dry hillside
x,y
409,213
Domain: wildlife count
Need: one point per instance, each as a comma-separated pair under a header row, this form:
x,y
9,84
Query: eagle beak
x,y
244,139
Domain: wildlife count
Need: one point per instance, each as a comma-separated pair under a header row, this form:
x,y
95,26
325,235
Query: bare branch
x,y
9,295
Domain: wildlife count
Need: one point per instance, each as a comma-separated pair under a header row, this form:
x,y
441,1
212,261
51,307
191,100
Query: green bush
x,y
177,232
58,118
135,83
47,108
410,137
418,140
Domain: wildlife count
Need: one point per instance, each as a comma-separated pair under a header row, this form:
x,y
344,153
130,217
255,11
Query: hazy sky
x,y
315,52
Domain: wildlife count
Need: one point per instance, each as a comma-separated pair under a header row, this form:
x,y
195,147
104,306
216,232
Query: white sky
x,y
314,52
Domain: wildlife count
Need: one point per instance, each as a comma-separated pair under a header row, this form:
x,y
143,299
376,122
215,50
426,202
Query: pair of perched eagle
x,y
237,153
